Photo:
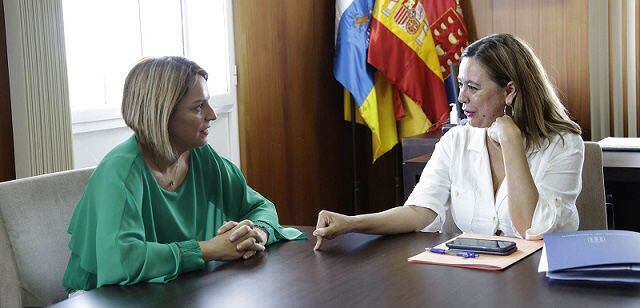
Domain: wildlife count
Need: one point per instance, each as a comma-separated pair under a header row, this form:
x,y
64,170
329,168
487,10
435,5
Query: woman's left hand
x,y
504,130
246,237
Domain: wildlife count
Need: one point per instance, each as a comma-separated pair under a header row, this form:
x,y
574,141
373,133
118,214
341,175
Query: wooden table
x,y
359,270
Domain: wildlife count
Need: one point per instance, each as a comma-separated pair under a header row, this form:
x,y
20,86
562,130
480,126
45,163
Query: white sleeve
x,y
433,189
558,190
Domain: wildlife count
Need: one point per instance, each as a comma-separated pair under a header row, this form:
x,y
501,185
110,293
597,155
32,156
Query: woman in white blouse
x,y
515,170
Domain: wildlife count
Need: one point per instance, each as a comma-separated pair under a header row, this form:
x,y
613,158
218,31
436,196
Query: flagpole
x,y
398,178
354,160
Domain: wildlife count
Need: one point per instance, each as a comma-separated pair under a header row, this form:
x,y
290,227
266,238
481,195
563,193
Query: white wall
x,y
90,146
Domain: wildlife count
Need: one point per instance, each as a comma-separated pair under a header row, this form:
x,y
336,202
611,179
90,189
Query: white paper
x,y
611,143
568,276
544,265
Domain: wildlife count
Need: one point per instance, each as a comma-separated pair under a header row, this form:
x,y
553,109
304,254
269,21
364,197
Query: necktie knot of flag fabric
x,y
393,57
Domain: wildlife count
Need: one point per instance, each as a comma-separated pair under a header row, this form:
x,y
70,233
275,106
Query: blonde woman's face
x,y
482,99
189,124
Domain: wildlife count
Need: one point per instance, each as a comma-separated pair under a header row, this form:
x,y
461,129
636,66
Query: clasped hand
x,y
234,240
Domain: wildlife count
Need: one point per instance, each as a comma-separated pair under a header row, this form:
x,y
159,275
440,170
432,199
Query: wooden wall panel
x,y
7,163
478,15
295,147
557,30
504,16
577,62
551,45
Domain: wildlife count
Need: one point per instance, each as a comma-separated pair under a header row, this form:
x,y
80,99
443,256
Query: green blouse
x,y
127,229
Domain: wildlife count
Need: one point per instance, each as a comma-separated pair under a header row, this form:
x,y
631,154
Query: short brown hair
x,y
152,89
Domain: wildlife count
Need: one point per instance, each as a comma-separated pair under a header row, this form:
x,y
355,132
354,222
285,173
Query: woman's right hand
x,y
504,130
330,225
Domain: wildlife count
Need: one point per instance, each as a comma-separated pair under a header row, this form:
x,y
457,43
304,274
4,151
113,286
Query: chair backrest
x,y
34,215
591,203
449,225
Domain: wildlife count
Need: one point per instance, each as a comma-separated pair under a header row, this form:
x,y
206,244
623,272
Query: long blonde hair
x,y
152,89
537,110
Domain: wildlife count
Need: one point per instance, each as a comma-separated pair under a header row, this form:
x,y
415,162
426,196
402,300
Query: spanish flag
x,y
412,43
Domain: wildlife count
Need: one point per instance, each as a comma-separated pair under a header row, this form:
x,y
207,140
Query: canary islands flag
x,y
371,92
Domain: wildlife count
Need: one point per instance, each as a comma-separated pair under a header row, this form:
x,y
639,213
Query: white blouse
x,y
458,177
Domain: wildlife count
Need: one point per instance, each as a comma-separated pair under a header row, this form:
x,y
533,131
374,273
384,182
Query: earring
x,y
510,109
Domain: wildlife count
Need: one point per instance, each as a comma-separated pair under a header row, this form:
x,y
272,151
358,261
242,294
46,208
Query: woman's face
x,y
482,99
189,124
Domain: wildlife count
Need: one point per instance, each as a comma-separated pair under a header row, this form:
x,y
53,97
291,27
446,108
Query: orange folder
x,y
484,261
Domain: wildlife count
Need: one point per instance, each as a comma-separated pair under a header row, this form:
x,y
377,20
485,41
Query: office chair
x,y
591,203
449,225
34,215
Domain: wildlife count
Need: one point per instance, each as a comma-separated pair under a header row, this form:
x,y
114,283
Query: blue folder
x,y
598,255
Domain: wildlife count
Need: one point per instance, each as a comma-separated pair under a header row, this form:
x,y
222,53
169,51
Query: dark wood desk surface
x,y
359,270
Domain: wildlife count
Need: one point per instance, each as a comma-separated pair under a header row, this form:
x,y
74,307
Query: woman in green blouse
x,y
164,202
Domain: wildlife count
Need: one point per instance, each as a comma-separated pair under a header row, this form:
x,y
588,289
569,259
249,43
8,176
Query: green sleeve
x,y
254,206
123,254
